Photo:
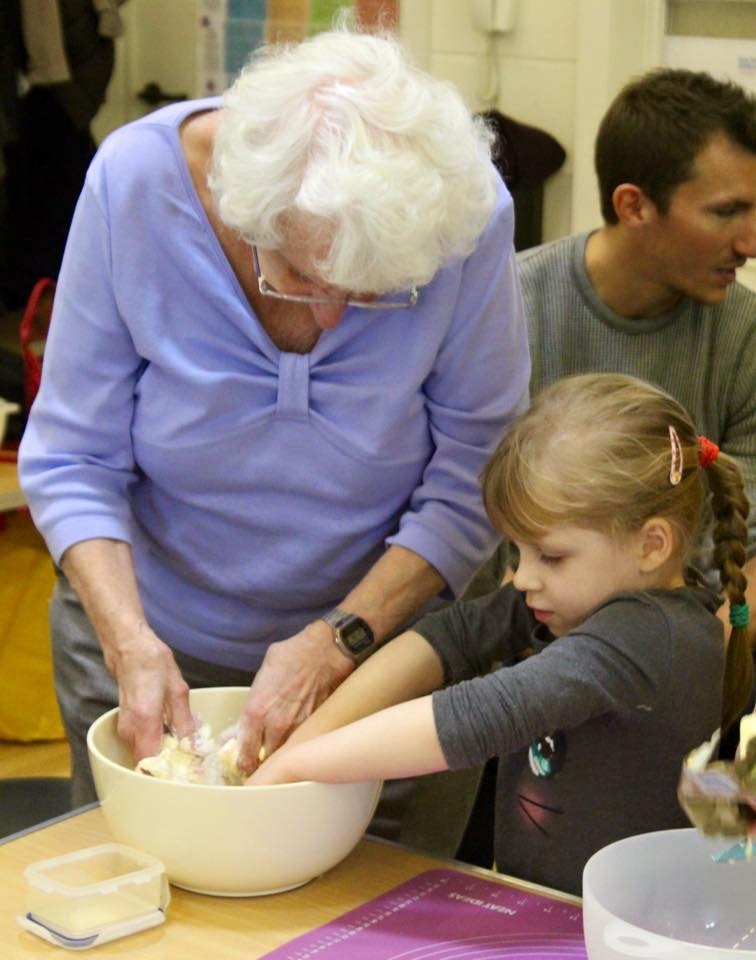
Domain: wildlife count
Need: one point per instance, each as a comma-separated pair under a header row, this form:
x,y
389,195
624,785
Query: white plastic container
x,y
663,896
94,895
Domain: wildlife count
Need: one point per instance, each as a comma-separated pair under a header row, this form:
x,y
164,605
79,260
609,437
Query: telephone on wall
x,y
492,16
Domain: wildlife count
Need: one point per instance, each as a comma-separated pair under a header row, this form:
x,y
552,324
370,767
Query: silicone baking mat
x,y
447,915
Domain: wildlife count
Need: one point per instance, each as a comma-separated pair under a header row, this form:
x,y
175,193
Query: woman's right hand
x,y
153,696
152,693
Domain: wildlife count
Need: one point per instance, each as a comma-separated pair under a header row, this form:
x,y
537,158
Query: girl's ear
x,y
657,544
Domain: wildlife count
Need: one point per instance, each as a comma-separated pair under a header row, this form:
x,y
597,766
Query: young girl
x,y
596,670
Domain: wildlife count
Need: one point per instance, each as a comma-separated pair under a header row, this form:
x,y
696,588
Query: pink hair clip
x,y
676,462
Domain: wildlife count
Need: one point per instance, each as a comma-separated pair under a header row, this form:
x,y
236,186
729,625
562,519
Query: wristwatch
x,y
351,634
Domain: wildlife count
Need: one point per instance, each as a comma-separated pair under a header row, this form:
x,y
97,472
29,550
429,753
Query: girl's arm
x,y
404,668
400,741
301,672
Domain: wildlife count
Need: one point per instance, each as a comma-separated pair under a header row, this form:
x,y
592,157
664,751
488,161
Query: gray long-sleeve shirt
x,y
591,730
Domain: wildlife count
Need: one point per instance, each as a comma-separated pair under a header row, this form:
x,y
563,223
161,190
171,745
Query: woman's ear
x,y
657,544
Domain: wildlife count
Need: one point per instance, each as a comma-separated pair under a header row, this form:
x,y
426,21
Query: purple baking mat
x,y
446,915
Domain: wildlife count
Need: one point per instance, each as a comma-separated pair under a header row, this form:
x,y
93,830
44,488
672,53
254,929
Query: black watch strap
x,y
351,634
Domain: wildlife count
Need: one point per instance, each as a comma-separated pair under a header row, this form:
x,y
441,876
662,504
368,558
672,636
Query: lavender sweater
x,y
257,486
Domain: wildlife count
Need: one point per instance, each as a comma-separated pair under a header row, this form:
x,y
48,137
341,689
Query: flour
x,y
200,758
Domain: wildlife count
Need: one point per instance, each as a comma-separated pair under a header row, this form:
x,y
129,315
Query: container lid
x,y
106,933
53,875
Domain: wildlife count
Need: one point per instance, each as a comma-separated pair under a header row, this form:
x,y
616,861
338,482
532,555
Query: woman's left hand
x,y
296,676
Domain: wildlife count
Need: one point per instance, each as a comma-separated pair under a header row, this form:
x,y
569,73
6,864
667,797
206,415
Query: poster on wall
x,y
229,30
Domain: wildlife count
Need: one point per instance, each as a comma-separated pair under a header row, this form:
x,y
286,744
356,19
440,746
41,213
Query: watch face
x,y
356,635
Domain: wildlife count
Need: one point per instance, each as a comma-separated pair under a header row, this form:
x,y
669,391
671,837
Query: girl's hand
x,y
274,770
400,741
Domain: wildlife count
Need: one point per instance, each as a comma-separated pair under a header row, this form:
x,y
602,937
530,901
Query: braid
x,y
730,507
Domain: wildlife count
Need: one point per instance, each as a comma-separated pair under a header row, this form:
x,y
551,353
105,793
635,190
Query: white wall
x,y
558,69
159,45
535,67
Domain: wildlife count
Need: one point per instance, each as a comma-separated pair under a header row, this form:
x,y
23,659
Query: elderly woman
x,y
287,335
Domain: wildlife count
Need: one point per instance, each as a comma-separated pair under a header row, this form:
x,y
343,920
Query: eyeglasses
x,y
267,290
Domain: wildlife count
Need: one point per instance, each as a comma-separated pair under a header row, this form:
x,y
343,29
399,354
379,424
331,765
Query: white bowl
x,y
222,840
662,896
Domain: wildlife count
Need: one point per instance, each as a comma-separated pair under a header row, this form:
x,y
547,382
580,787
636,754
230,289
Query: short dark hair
x,y
658,124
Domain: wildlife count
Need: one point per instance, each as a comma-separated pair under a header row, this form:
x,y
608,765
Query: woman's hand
x,y
296,676
151,691
153,696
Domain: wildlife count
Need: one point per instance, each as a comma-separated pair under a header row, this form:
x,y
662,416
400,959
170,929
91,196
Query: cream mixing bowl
x,y
232,841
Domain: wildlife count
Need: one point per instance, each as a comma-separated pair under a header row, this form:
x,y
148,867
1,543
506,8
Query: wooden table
x,y
201,927
10,491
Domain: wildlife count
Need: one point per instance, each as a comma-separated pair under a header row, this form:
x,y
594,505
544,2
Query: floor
x,y
43,759
49,758
34,785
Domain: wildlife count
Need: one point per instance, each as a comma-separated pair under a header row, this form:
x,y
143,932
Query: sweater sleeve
x,y
614,662
76,461
470,637
478,385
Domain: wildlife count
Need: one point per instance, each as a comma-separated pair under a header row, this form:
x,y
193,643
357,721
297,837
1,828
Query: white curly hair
x,y
343,137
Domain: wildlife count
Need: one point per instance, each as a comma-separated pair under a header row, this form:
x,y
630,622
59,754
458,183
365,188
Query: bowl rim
x,y
630,838
296,784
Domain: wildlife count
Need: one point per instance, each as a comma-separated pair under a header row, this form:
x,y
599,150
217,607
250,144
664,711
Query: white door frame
x,y
617,39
